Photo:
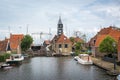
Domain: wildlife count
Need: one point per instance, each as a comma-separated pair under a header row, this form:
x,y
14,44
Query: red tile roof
x,y
63,39
115,34
77,39
3,45
15,40
100,38
105,31
111,31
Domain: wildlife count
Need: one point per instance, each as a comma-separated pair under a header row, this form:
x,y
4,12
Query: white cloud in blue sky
x,y
84,15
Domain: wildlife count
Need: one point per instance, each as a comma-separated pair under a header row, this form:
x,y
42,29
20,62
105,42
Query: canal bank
x,y
109,67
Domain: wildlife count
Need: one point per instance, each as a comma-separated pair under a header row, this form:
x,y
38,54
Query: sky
x,y
86,16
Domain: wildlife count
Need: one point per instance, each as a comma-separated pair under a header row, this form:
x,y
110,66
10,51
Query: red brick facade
x,y
100,36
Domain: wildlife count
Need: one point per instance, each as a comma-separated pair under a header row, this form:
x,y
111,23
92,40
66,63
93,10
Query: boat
x,y
84,59
15,59
5,65
76,58
6,68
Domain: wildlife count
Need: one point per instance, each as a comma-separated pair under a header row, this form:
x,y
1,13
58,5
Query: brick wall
x,y
119,49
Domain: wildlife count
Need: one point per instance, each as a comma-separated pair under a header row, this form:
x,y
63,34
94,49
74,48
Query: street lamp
x,y
114,44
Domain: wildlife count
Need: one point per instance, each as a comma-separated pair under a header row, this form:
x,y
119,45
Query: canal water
x,y
54,68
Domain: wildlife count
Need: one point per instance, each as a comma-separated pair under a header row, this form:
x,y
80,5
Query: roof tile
x,y
14,40
62,38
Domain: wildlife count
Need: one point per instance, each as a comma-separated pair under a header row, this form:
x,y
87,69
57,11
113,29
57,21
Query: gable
x,y
15,40
99,39
63,39
3,45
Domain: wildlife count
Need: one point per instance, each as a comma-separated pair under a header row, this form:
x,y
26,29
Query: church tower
x,y
60,27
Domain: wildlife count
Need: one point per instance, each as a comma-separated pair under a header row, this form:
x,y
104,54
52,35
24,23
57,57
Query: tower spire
x,y
60,21
60,27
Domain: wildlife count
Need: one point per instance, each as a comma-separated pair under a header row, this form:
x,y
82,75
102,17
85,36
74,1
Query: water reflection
x,y
54,68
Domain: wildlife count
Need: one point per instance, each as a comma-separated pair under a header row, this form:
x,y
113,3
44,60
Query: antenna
x,y
27,28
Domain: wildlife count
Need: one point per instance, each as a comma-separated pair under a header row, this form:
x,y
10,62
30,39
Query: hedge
x,y
3,57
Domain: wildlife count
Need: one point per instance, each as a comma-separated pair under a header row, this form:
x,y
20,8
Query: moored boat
x,y
84,59
76,58
15,59
5,65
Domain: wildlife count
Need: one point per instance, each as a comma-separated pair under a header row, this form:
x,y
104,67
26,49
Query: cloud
x,y
84,15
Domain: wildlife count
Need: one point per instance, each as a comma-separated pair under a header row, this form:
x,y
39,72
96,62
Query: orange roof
x,y
77,39
3,45
115,34
105,31
15,40
100,38
63,39
111,31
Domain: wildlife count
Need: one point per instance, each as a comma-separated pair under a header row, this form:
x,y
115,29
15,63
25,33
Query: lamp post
x,y
114,44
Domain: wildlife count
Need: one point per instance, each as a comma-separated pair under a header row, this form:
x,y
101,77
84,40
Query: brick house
x,y
15,40
76,39
61,45
5,46
100,36
46,43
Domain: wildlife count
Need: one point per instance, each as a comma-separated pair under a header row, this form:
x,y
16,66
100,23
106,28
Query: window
x,y
66,45
60,45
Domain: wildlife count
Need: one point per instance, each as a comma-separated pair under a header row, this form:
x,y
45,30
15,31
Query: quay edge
x,y
109,67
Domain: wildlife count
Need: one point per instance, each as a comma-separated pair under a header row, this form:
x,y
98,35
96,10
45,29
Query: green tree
x,y
106,46
72,39
78,47
26,42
